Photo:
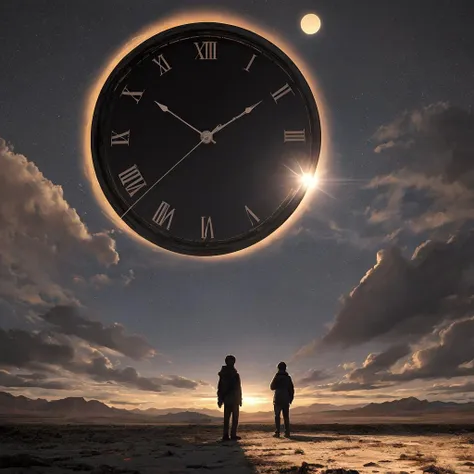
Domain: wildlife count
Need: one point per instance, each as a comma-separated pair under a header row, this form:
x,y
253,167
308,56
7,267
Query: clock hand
x,y
245,112
164,108
159,179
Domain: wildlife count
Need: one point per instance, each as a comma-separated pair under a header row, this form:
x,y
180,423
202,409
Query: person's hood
x,y
226,370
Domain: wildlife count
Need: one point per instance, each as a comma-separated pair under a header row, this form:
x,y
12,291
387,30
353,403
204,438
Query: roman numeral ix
x,y
120,138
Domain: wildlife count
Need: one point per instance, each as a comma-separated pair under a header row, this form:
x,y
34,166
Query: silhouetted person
x,y
282,398
229,394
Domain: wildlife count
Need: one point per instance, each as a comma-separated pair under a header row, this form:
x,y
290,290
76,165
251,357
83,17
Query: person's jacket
x,y
283,387
229,388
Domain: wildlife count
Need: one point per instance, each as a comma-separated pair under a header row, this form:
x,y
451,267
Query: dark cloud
x,y
432,185
314,376
352,386
406,298
21,348
439,136
32,380
100,369
42,350
454,388
67,320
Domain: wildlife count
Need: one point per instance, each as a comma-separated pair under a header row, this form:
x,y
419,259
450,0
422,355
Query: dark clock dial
x,y
200,136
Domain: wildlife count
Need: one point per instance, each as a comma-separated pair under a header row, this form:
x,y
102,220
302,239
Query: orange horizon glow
x,y
173,20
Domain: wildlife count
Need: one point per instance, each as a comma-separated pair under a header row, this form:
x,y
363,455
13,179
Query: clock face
x,y
200,137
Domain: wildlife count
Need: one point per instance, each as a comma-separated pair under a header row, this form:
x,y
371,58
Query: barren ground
x,y
196,449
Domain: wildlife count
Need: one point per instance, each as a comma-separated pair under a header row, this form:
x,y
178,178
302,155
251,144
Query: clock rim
x,y
138,224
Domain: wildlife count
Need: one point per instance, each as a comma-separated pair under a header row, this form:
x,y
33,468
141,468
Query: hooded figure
x,y
282,398
229,394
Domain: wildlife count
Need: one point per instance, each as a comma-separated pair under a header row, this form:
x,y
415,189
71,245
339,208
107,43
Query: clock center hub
x,y
206,136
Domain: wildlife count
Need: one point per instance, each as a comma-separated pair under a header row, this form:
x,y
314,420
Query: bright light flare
x,y
309,180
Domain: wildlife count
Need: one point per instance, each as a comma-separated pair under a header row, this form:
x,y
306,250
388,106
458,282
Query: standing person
x,y
229,394
282,399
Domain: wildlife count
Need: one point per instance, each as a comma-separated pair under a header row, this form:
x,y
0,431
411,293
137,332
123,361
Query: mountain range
x,y
77,409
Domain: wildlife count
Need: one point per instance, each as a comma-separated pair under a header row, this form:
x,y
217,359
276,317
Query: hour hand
x,y
165,108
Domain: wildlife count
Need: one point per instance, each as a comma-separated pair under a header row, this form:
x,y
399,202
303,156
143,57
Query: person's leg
x,y
286,418
277,418
227,412
235,421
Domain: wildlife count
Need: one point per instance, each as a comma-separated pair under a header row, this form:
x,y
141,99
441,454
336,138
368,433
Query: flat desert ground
x,y
182,449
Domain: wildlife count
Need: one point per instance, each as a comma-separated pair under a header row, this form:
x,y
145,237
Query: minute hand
x,y
245,112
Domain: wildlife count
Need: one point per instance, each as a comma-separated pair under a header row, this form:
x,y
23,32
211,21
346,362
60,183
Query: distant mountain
x,y
79,409
320,407
185,417
410,406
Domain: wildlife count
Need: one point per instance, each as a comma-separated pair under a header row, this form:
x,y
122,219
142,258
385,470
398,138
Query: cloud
x,y
375,364
405,298
67,320
432,186
43,351
453,388
452,355
21,348
314,376
41,235
100,369
30,380
439,135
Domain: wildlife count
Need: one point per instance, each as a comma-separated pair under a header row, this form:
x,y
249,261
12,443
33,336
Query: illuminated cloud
x,y
39,234
68,320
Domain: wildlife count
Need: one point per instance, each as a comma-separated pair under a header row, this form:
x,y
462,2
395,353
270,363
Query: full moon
x,y
310,24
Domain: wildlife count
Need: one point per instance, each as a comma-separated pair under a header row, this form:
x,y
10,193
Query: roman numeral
x,y
251,215
294,136
137,95
206,228
164,66
120,138
132,180
206,50
163,214
281,92
250,63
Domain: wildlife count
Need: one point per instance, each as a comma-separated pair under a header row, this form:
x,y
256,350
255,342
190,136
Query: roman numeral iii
x,y
207,231
136,95
281,92
164,215
294,136
120,138
162,63
132,180
206,50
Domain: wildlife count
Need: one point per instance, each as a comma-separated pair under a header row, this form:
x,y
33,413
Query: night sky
x,y
368,297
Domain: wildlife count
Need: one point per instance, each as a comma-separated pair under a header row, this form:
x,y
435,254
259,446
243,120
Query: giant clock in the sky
x,y
199,136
